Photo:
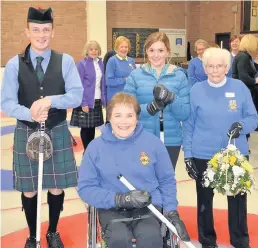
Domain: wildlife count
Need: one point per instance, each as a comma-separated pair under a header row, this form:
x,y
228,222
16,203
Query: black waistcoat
x,y
30,89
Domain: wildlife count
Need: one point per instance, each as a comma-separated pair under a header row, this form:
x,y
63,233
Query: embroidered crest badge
x,y
144,158
232,105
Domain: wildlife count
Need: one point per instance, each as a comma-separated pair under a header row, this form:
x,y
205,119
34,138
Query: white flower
x,y
238,171
226,187
210,175
223,166
206,183
231,147
215,191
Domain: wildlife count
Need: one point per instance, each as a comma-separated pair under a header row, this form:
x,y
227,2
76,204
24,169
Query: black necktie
x,y
39,69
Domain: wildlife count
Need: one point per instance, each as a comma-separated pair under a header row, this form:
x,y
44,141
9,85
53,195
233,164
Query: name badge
x,y
230,94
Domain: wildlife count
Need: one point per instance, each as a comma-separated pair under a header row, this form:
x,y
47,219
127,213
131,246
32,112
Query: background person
x,y
89,115
119,67
195,70
234,46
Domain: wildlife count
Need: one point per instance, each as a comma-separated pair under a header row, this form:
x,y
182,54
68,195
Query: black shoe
x,y
54,240
30,243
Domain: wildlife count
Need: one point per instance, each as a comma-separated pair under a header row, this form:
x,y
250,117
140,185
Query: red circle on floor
x,y
73,229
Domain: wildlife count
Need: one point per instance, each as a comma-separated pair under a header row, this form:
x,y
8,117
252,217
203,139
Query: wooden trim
x,y
242,22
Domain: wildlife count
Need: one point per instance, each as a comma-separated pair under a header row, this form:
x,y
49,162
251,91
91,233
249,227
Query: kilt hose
x,y
59,171
94,118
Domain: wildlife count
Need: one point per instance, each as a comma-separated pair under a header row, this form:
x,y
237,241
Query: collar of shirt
x,y
96,60
121,58
153,71
222,83
234,55
46,55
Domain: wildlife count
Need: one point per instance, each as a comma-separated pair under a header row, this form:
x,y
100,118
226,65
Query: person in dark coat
x,y
107,56
245,68
39,85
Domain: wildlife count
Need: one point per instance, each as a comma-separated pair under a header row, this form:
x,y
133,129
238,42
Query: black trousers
x,y
87,135
147,231
173,152
237,214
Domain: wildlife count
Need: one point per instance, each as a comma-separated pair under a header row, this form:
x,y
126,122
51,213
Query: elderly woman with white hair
x,y
195,70
219,106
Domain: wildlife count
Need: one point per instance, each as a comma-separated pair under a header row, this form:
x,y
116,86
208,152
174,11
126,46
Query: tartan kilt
x,y
59,171
94,118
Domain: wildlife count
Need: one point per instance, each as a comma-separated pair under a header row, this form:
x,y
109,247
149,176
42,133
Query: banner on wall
x,y
177,40
137,37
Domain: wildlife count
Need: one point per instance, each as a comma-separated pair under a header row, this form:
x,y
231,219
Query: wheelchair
x,y
94,239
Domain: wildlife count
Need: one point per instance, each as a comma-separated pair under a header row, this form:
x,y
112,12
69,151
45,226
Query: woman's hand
x,y
85,109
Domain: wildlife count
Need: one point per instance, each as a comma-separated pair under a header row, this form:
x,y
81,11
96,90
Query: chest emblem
x,y
232,105
144,158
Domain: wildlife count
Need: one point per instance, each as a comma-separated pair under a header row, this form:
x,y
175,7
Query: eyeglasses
x,y
218,67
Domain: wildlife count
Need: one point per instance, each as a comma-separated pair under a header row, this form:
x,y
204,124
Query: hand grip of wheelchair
x,y
156,212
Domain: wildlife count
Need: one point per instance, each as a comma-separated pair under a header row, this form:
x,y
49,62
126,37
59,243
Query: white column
x,y
96,12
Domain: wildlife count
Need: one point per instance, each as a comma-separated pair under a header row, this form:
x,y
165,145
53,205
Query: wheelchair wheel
x,y
171,240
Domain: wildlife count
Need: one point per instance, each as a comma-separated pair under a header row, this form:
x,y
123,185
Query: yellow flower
x,y
232,160
216,155
215,165
248,184
225,160
247,166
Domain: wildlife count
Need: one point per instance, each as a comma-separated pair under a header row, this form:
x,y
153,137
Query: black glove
x,y
155,107
161,93
133,199
235,130
191,168
174,218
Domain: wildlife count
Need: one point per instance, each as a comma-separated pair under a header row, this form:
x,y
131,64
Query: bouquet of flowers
x,y
229,172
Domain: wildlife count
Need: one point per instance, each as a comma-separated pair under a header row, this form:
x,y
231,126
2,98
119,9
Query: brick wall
x,y
203,18
147,14
69,23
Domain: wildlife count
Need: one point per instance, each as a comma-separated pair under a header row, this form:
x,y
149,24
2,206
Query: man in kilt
x,y
39,85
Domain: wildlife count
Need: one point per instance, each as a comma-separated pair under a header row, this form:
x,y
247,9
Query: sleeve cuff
x,y
188,154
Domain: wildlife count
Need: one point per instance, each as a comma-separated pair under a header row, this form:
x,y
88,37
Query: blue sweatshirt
x,y
196,71
213,111
142,159
117,71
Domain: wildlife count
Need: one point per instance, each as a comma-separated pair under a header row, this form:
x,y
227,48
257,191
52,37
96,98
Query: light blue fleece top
x,y
196,71
213,111
107,157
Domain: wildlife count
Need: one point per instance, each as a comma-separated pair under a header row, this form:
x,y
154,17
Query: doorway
x,y
223,37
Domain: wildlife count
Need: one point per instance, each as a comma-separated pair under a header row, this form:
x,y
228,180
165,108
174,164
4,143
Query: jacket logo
x,y
144,158
232,105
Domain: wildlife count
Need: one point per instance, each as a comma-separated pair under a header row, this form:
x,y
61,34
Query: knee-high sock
x,y
55,203
30,209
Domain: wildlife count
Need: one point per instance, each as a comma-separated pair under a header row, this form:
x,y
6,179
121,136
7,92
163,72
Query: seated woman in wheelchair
x,y
126,148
